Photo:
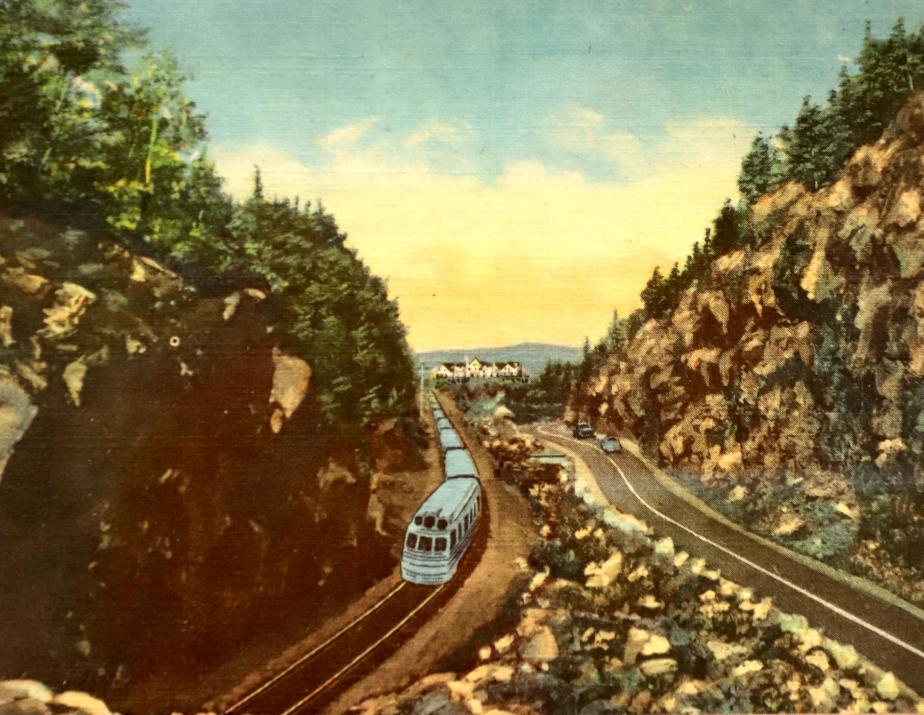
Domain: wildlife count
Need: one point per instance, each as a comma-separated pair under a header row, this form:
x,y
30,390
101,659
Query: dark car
x,y
610,444
582,430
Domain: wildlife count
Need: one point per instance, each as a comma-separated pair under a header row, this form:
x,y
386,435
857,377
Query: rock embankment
x,y
615,619
164,470
790,377
30,697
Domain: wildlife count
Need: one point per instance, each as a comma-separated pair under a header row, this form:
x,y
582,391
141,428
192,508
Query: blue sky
x,y
283,71
483,98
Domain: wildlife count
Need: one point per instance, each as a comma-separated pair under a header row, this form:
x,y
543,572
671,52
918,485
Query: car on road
x,y
583,430
610,444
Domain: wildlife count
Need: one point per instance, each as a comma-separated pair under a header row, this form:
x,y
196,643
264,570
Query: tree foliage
x,y
761,169
813,151
80,128
822,138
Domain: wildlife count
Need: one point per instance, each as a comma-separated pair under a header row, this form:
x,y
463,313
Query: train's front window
x,y
440,544
426,543
412,541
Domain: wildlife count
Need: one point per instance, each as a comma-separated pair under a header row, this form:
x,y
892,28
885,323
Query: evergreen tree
x,y
654,295
804,145
760,169
726,232
616,334
257,194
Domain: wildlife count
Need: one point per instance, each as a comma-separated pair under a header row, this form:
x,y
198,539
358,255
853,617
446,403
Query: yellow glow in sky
x,y
537,255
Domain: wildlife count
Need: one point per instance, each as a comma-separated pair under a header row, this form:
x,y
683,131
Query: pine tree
x,y
257,194
616,334
806,145
726,234
654,296
760,169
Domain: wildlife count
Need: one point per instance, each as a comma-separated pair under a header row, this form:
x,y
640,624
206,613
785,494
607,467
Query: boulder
x,y
6,326
26,689
71,302
887,687
658,666
541,647
73,377
16,414
291,378
83,703
28,283
906,210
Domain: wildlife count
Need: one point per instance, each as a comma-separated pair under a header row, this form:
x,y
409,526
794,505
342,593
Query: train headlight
x,y
442,524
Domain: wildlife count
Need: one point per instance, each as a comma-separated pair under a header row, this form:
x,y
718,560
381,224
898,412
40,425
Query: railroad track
x,y
310,683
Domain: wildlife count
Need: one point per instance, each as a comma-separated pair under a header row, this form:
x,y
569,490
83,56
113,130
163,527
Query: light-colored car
x,y
610,444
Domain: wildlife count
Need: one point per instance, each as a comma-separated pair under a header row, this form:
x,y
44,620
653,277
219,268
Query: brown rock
x,y
26,282
6,326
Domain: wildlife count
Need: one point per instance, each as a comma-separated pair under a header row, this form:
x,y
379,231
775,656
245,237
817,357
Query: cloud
x,y
577,130
704,141
844,58
539,253
281,174
624,148
436,131
347,135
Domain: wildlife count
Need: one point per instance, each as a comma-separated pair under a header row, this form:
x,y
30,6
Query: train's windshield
x,y
426,543
412,540
440,544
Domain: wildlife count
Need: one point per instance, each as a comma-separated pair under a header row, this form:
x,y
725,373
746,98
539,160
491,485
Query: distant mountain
x,y
533,356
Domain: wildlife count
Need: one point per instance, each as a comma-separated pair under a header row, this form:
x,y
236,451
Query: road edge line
x,y
854,581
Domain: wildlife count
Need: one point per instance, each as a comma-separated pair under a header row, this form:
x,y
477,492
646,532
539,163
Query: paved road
x,y
888,635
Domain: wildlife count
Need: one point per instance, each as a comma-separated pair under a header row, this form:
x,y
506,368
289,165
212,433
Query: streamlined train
x,y
449,439
440,532
459,463
442,528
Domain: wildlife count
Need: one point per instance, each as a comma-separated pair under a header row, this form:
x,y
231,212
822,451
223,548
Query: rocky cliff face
x,y
168,487
801,356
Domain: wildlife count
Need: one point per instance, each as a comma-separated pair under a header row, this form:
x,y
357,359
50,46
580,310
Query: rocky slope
x,y
617,620
791,375
168,486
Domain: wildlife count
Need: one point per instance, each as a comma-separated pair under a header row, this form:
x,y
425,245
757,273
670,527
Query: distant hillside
x,y
534,356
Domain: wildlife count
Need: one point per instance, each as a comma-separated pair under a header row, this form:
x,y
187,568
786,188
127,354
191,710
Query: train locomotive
x,y
442,528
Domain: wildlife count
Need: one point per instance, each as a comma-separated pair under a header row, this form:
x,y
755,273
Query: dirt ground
x,y
477,602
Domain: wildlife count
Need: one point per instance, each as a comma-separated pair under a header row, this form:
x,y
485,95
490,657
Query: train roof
x,y
448,498
438,414
449,439
459,463
443,423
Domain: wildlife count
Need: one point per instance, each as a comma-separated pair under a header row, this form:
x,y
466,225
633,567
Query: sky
x,y
515,170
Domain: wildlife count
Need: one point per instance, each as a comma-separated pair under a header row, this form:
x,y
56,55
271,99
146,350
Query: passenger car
x,y
610,444
583,430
